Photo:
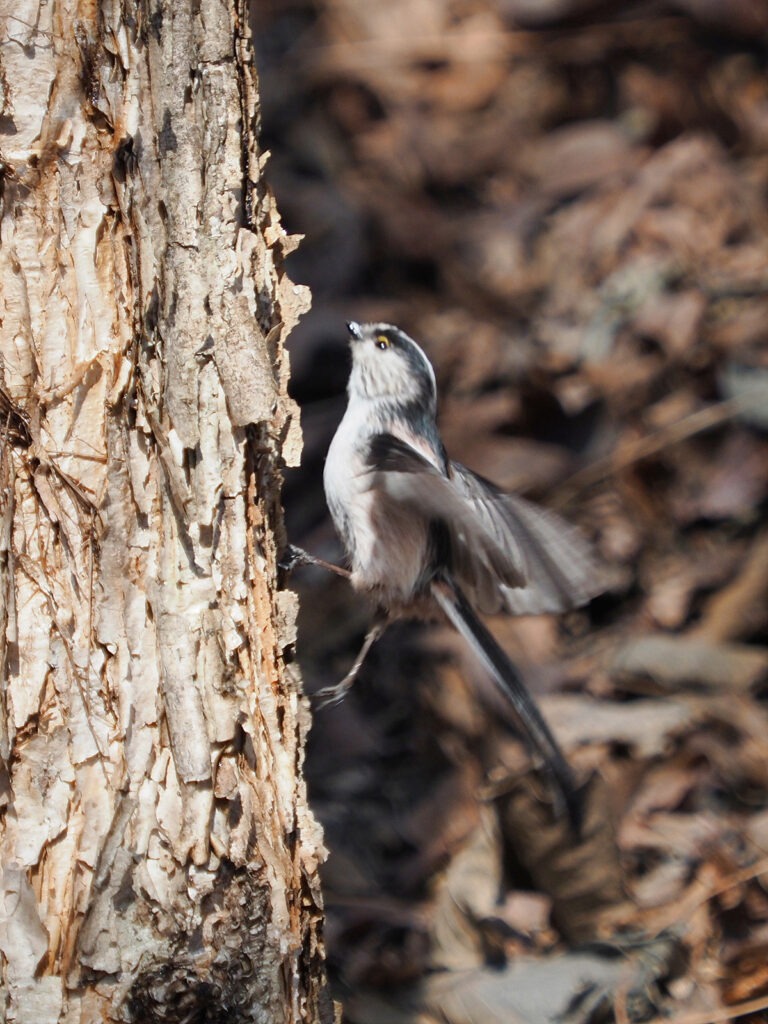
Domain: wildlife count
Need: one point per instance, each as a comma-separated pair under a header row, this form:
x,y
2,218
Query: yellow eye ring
x,y
382,342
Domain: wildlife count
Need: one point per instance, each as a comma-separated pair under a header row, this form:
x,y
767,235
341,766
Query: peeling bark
x,y
158,858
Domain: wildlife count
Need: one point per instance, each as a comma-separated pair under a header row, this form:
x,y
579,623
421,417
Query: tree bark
x,y
158,858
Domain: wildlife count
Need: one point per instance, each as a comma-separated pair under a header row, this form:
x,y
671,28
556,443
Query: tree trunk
x,y
158,859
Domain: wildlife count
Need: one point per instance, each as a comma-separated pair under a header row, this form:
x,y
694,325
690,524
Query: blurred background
x,y
564,201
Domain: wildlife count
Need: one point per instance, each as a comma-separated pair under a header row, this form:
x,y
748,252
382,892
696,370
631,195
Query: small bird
x,y
421,531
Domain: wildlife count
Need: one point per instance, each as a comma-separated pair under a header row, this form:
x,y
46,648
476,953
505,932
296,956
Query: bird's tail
x,y
510,684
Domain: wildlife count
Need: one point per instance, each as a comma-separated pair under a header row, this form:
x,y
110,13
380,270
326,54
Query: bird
x,y
423,533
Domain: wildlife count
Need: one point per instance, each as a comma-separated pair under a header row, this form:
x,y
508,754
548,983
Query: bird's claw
x,y
329,696
293,558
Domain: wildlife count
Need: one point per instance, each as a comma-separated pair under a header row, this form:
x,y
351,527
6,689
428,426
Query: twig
x,y
701,420
727,1013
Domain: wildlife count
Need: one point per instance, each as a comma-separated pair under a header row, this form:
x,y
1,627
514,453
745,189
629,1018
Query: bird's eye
x,y
382,342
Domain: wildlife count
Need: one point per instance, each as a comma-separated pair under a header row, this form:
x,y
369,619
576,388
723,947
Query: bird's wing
x,y
477,557
504,552
553,558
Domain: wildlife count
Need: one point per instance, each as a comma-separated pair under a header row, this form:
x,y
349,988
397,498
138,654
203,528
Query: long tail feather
x,y
509,682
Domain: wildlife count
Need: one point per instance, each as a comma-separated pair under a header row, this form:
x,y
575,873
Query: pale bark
x,y
158,858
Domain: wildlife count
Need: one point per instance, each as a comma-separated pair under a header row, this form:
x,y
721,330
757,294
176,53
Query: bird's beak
x,y
355,330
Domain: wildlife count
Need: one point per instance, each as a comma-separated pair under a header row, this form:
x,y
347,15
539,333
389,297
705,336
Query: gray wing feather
x,y
478,557
506,553
552,557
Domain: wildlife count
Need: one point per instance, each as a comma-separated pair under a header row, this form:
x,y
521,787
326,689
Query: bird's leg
x,y
334,694
294,558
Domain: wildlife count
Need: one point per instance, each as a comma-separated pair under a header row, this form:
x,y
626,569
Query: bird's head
x,y
387,364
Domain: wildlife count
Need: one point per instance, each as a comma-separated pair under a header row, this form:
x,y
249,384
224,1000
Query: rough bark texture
x,y
158,858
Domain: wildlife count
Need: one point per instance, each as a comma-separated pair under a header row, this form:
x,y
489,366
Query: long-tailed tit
x,y
420,530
